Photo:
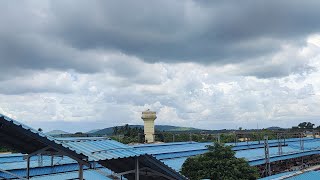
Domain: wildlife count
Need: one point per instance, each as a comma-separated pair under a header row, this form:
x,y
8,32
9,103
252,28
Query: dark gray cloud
x,y
66,35
198,31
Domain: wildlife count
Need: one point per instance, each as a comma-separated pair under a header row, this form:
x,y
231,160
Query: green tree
x,y
306,125
115,130
219,163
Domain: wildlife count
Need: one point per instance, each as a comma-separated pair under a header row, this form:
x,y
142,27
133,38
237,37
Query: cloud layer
x,y
197,63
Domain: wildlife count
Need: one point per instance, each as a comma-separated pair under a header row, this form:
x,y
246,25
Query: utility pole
x,y
301,142
267,157
279,136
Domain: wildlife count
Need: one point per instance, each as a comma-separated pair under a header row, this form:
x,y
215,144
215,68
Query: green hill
x,y
109,130
56,132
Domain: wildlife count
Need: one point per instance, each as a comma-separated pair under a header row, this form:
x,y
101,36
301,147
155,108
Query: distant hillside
x,y
274,128
93,131
109,130
174,128
56,132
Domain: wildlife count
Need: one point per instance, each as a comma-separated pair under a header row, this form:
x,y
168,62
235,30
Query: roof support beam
x,y
153,172
146,171
14,175
83,162
58,152
137,168
36,152
80,171
126,172
52,157
28,167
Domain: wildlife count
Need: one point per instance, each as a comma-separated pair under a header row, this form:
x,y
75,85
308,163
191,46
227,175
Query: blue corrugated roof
x,y
175,163
43,170
85,149
102,149
308,145
63,139
19,168
174,150
87,174
276,176
181,149
174,154
34,163
95,150
284,157
274,141
311,175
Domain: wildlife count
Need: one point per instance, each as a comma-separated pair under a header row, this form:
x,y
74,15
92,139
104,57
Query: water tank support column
x,y
149,117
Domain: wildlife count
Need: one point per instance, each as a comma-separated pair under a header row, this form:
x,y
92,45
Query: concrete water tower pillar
x,y
148,118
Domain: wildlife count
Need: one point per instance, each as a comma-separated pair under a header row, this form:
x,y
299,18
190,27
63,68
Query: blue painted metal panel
x,y
312,175
250,154
276,176
42,170
173,147
95,150
103,149
174,154
176,163
87,174
179,154
11,158
23,164
36,171
284,157
80,138
308,145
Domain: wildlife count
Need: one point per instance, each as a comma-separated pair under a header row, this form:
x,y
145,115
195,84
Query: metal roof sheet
x,y
102,149
175,163
308,145
94,150
198,148
36,171
35,163
174,154
311,175
250,152
276,176
111,154
284,156
87,174
29,140
269,141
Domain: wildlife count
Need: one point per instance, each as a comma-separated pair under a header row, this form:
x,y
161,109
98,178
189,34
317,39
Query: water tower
x,y
148,118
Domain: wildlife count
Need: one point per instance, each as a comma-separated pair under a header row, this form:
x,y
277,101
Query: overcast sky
x,y
82,65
